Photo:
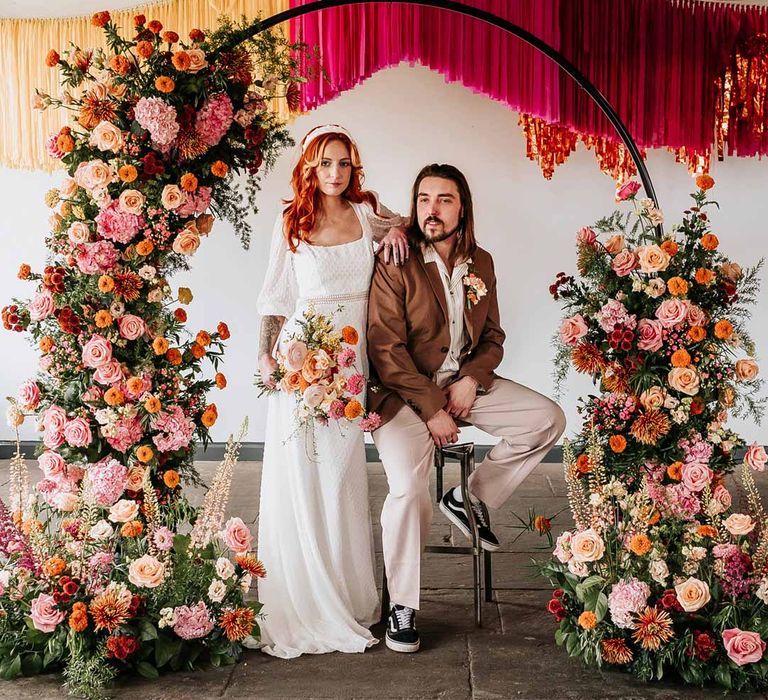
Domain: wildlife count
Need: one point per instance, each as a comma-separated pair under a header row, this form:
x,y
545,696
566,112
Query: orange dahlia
x,y
165,84
190,144
697,333
587,358
677,286
649,427
353,410
160,345
249,563
111,609
181,60
127,285
219,168
615,651
127,173
681,358
54,566
349,335
188,182
238,623
653,627
94,110
171,478
617,443
675,471
221,380
669,247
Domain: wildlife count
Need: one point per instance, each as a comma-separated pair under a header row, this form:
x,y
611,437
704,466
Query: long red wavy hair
x,y
300,215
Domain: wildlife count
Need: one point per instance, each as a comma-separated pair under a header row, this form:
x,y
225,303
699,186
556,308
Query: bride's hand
x,y
395,245
267,367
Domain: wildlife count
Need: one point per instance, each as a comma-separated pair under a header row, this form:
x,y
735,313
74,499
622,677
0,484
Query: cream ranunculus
x,y
684,380
172,197
652,258
107,137
746,370
146,572
692,594
131,201
739,524
587,545
295,354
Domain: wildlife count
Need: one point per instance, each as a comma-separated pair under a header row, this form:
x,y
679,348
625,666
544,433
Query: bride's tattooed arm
x,y
270,330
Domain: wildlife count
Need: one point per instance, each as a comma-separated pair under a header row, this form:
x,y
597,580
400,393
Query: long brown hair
x,y
300,215
466,244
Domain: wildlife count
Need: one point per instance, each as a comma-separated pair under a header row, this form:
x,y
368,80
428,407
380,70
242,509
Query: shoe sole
x,y
402,647
487,546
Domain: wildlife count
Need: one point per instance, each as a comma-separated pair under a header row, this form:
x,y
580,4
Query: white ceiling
x,y
70,8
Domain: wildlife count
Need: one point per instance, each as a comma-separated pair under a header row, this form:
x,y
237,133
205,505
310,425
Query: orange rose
x,y
208,418
152,404
353,409
677,286
203,338
145,247
675,471
618,443
723,329
221,380
46,343
291,382
681,358
131,529
705,182
24,271
223,330
640,545
103,318
219,168
127,173
160,345
704,276
114,397
669,247
349,335
173,356
120,65
181,60
197,350
171,478
709,241
106,284
100,19
54,566
52,59
65,143
582,464
144,49
165,84
588,620
144,454
697,333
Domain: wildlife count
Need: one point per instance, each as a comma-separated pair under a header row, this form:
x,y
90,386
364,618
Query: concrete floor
x,y
513,656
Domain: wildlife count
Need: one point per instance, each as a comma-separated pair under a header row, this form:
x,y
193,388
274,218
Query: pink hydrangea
x,y
346,358
192,623
194,203
96,258
174,428
214,119
117,225
158,118
126,433
356,383
615,313
107,479
627,597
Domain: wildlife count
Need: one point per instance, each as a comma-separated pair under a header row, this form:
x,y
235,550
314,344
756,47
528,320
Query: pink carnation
x,y
158,118
192,623
336,411
107,479
52,146
117,225
214,119
346,358
370,422
356,383
163,539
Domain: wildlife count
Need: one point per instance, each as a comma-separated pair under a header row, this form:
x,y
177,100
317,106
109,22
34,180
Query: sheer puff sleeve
x,y
278,293
381,219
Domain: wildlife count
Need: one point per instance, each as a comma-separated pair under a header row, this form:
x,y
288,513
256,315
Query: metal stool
x,y
481,560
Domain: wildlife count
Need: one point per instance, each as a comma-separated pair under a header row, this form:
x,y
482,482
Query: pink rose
x,y
54,418
110,373
722,496
624,262
295,354
572,329
45,616
131,327
336,411
97,352
756,457
237,536
586,236
627,190
29,395
649,335
78,433
696,316
52,465
41,306
671,312
743,647
696,476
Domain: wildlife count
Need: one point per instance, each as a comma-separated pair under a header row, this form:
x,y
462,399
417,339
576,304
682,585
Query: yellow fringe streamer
x,y
25,43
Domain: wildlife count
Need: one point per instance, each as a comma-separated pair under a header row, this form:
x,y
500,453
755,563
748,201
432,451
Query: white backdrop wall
x,y
404,118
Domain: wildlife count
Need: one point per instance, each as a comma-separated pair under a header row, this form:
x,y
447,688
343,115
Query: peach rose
x,y
44,613
743,647
146,572
671,312
739,524
131,327
746,370
237,536
696,476
97,352
186,243
722,496
684,380
756,457
107,137
94,174
295,354
653,398
313,395
649,335
290,382
692,594
171,197
196,60
587,545
615,244
68,188
572,329
310,371
123,511
131,201
696,316
652,258
135,480
625,262
79,233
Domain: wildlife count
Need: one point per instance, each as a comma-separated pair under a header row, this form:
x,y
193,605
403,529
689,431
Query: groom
x,y
434,341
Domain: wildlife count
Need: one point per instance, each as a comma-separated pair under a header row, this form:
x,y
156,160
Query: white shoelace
x,y
404,617
479,514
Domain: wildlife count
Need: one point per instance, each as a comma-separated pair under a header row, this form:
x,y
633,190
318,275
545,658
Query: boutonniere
x,y
476,288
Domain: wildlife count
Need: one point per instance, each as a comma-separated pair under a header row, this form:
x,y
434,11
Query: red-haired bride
x,y
315,535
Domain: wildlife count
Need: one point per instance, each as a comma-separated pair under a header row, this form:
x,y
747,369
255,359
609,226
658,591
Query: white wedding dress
x,y
315,536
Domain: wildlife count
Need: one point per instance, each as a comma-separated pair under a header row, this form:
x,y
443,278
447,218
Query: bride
x,y
315,534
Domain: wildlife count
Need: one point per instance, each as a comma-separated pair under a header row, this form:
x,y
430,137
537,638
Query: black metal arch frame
x,y
508,27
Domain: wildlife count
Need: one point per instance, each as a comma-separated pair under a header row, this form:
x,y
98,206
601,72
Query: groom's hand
x,y
443,429
461,397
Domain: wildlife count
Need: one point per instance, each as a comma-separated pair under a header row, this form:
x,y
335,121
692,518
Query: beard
x,y
438,237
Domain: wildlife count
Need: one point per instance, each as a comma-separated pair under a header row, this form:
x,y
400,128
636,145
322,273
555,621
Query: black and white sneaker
x,y
455,512
401,630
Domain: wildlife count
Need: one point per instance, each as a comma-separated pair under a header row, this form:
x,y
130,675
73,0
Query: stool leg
x,y
439,466
467,466
488,576
384,597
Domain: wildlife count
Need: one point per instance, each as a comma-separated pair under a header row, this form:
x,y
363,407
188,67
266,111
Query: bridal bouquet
x,y
312,368
665,571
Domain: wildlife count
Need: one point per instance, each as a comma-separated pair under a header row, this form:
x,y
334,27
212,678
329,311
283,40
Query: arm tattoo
x,y
270,330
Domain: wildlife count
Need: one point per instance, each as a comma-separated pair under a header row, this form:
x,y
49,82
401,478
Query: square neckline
x,y
361,237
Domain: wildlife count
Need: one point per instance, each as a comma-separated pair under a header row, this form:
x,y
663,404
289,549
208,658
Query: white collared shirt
x,y
453,287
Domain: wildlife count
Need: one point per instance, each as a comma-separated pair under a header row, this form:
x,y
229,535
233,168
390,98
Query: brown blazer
x,y
408,335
